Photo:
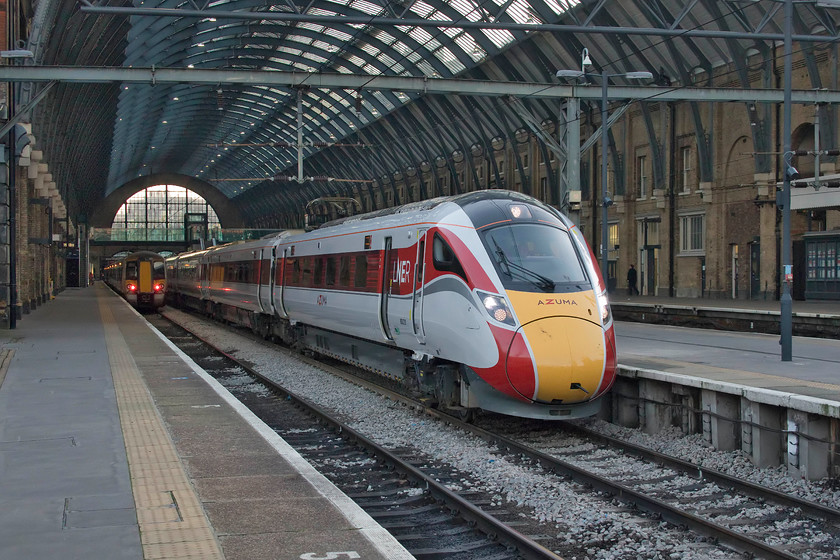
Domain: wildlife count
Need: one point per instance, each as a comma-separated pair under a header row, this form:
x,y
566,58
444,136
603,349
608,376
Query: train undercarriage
x,y
445,385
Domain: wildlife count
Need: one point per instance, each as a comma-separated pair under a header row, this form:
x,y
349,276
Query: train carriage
x,y
486,300
185,281
140,278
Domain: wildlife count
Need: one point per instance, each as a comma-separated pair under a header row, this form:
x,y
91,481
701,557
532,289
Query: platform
x,y
734,388
114,445
808,318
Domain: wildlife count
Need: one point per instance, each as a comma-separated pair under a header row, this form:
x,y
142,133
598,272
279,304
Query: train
x,y
140,278
489,300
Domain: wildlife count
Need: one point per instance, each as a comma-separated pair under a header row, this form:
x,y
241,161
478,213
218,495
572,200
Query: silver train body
x,y
488,300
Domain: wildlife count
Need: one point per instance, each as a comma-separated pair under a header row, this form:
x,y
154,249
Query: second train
x,y
139,277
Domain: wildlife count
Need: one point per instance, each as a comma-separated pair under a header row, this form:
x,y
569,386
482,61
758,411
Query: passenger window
x,y
330,271
444,259
265,271
306,272
422,253
360,278
344,272
293,266
131,270
318,274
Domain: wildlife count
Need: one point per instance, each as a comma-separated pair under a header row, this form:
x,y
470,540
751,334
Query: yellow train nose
x,y
557,358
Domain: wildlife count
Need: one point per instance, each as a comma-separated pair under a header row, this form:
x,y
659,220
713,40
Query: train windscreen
x,y
131,271
533,257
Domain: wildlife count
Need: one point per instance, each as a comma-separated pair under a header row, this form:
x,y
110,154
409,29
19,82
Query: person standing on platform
x,y
631,281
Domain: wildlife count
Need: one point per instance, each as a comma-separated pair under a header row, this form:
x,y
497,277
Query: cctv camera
x,y
607,200
792,173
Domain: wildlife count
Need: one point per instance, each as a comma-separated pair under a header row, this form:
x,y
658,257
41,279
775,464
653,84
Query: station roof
x,y
240,133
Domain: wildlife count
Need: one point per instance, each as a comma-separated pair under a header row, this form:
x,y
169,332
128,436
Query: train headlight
x,y
158,287
131,287
604,308
497,307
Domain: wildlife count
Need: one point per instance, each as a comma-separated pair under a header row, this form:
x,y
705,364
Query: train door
x,y
389,262
262,281
280,283
418,288
144,277
204,279
272,267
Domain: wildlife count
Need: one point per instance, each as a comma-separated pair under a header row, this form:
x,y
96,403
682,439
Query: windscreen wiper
x,y
542,282
502,257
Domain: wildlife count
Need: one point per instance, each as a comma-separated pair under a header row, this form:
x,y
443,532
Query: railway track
x,y
718,508
406,492
750,518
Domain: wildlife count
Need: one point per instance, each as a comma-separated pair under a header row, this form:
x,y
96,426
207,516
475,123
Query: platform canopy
x,y
240,132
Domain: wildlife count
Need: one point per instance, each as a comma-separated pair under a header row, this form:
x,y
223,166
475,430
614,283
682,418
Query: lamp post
x,y
606,201
785,300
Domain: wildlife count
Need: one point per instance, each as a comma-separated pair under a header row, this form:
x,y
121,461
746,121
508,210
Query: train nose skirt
x,y
568,355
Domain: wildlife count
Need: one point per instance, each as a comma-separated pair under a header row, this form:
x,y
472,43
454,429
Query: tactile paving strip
x,y
173,525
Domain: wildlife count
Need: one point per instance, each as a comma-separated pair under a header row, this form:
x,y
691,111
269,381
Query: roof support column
x,y
569,198
300,136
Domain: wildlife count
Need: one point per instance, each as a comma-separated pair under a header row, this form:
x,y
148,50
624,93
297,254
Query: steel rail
x,y
492,527
645,503
820,511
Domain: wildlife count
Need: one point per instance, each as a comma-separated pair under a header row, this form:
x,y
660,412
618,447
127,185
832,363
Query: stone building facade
x,y
705,223
41,243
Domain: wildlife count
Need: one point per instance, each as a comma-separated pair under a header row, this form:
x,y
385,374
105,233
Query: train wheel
x,y
466,415
263,327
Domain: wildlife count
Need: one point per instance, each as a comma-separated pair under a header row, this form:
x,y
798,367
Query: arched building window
x,y
803,139
159,212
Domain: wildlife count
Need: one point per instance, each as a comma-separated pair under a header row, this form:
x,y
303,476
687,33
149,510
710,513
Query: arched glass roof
x,y
242,137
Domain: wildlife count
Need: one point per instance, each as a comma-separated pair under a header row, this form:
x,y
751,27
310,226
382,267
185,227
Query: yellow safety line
x,y
6,356
173,524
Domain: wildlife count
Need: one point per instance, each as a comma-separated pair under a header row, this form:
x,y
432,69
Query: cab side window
x,y
444,259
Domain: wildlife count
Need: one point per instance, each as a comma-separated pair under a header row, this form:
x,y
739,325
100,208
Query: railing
x,y
157,235
136,234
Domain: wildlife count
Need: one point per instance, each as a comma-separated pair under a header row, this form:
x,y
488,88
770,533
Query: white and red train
x,y
487,300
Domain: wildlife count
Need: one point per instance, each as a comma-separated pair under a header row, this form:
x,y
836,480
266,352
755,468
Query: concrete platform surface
x,y
113,444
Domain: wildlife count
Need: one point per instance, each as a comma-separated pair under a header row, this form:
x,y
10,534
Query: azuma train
x,y
140,278
487,300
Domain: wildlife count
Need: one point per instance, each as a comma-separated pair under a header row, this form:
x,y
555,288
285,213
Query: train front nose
x,y
557,359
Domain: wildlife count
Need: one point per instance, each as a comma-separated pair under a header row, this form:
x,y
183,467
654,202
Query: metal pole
x,y
12,222
571,171
300,136
12,162
604,159
786,300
